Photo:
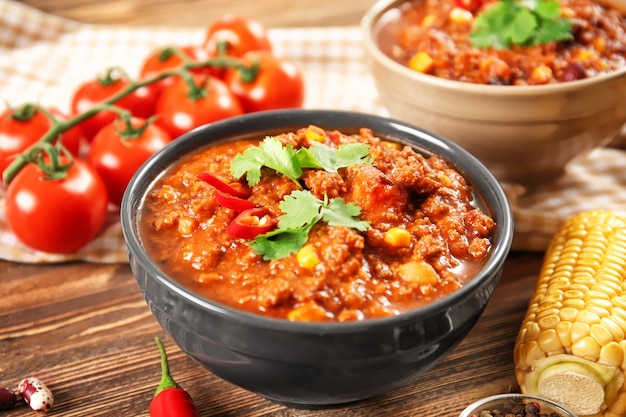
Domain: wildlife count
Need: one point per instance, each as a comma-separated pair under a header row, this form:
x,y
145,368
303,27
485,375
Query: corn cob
x,y
571,347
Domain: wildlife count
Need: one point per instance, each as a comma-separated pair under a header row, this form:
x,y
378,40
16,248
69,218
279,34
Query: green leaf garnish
x,y
301,211
300,208
338,213
271,153
279,244
332,159
520,22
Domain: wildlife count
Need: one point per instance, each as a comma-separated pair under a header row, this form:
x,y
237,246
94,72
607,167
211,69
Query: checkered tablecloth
x,y
45,57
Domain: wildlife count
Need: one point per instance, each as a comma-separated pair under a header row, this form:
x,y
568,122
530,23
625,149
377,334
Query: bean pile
x,y
518,410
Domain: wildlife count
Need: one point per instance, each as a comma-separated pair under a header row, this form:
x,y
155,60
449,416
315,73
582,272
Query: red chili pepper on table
x,y
251,223
169,399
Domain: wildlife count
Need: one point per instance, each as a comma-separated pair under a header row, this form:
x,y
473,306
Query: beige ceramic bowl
x,y
523,134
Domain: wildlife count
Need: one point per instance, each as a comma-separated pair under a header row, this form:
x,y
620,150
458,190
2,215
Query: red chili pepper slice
x,y
471,5
222,184
232,202
251,223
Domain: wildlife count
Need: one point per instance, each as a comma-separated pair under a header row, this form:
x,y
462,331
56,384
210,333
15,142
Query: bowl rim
x,y
131,202
501,397
380,8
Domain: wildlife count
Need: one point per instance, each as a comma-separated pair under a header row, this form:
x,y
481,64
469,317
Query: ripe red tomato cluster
x,y
63,215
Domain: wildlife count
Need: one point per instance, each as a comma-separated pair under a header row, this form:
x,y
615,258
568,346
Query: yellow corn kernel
x,y
421,62
587,54
541,74
599,44
576,355
427,21
396,146
458,15
445,180
307,257
567,12
398,237
315,134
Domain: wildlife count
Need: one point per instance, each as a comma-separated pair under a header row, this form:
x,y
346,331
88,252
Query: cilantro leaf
x,y
307,159
548,10
270,153
338,213
301,211
489,26
520,22
300,208
280,243
554,30
331,159
521,28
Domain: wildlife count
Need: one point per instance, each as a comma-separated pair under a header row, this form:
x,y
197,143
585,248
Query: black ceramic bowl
x,y
311,365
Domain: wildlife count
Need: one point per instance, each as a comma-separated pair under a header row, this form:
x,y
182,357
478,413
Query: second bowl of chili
x,y
316,257
524,111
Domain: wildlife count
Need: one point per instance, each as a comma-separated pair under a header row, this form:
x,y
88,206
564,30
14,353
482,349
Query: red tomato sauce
x,y
360,275
440,30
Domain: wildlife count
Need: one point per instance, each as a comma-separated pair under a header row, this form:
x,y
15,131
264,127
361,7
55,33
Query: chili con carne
x,y
358,272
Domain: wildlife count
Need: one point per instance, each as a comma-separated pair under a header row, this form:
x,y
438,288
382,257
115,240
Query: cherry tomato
x,y
56,216
179,110
241,34
22,127
279,83
116,157
140,102
164,59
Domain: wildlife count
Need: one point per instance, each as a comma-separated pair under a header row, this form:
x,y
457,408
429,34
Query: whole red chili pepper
x,y
169,399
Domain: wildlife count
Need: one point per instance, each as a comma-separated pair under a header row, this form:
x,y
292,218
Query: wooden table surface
x,y
86,330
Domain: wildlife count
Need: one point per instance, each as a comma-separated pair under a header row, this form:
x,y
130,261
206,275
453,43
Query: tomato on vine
x,y
120,148
278,84
194,101
235,35
139,102
56,210
168,58
23,126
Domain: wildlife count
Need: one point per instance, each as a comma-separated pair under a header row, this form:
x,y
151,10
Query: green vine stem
x,y
58,127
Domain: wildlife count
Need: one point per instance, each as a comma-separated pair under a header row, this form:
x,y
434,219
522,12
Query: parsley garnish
x,y
520,22
302,210
284,159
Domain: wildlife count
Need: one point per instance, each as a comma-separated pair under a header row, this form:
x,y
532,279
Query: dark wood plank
x,y
86,330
